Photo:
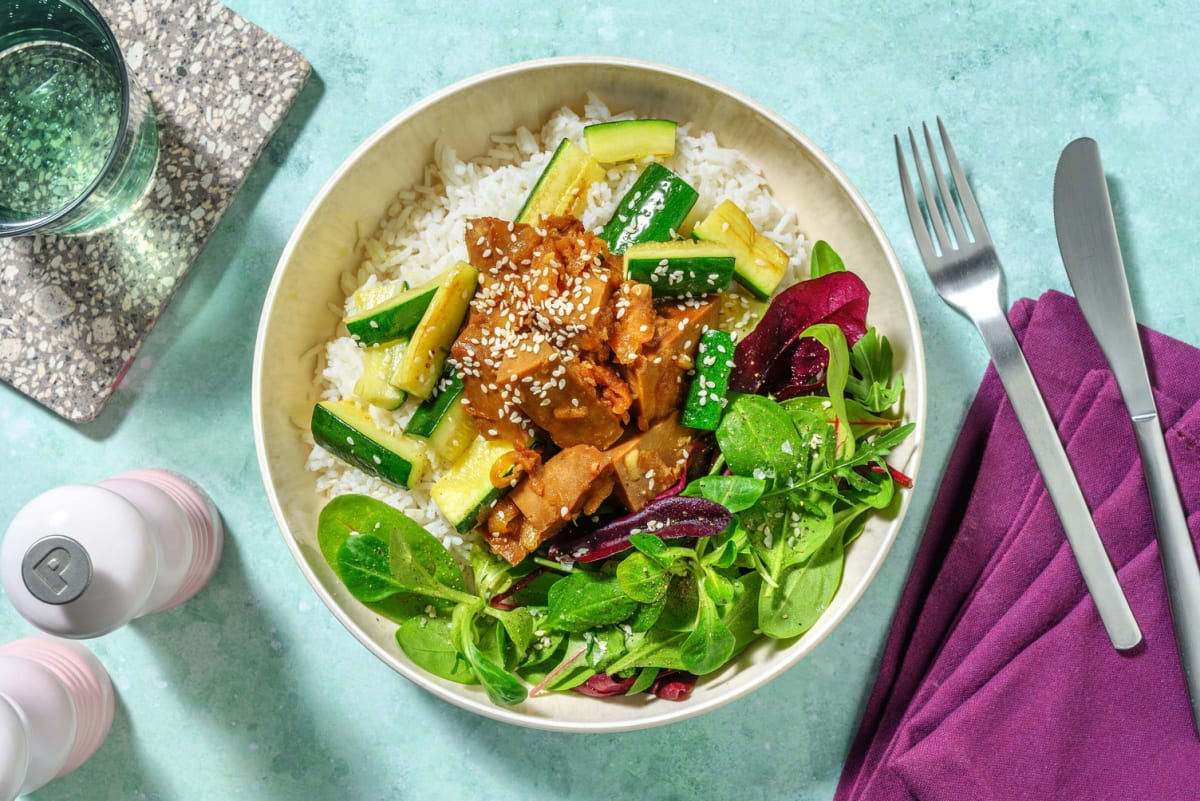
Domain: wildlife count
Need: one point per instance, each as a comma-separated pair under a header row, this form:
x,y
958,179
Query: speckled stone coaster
x,y
75,310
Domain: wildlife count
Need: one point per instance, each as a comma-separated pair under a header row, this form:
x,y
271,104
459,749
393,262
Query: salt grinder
x,y
85,559
56,708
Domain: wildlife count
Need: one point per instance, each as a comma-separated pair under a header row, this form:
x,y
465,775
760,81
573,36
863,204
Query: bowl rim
x,y
671,713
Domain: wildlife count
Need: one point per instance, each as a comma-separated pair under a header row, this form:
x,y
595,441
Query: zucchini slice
x,y
708,393
465,491
625,140
395,318
681,267
374,386
760,264
652,210
562,186
423,359
444,422
347,431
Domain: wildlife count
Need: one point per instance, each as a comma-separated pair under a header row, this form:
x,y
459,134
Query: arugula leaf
x,y
585,599
824,260
872,383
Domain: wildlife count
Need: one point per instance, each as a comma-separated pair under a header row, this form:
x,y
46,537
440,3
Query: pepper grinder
x,y
82,560
56,708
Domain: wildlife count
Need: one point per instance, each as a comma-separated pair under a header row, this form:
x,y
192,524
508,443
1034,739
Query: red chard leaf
x,y
771,358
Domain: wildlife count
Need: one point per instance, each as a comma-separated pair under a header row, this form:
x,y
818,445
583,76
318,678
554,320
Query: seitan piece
x,y
571,483
649,462
656,376
566,397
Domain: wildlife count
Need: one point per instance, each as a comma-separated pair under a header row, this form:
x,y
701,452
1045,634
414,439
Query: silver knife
x,y
1087,238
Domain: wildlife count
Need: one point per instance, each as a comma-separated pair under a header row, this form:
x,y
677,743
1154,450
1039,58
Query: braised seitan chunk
x,y
634,323
534,353
571,483
656,376
650,461
566,396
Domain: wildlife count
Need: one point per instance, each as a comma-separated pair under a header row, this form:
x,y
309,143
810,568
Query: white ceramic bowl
x,y
296,317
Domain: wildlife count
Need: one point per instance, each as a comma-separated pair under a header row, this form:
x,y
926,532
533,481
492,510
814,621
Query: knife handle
x,y
1060,480
1180,568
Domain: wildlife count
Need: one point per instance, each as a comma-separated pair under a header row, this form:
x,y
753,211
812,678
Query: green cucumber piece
x,y
395,319
465,491
377,295
761,264
625,140
681,267
709,391
374,386
421,365
432,410
347,431
443,421
652,210
562,186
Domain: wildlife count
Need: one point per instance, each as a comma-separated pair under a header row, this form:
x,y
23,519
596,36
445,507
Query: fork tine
x,y
965,195
960,234
935,217
915,219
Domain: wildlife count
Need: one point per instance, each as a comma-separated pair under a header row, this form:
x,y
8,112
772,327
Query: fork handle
x,y
1030,408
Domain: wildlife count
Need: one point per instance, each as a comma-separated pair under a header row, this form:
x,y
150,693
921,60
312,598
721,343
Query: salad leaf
x,y
710,644
642,578
668,517
804,591
735,493
426,641
838,370
758,440
872,383
773,357
583,600
823,260
362,562
502,687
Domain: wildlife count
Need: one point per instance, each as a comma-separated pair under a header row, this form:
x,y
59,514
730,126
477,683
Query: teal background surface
x,y
253,690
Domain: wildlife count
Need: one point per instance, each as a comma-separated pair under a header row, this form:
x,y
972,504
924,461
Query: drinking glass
x,y
78,136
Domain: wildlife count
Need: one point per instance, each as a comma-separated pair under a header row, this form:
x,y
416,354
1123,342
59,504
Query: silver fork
x,y
966,273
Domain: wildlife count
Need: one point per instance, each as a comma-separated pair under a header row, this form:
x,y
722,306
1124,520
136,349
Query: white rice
x,y
422,234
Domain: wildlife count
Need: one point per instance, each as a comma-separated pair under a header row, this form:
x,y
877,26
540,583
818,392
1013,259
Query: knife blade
x,y
1091,253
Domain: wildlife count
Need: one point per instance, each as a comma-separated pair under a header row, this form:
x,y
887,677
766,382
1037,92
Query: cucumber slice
x,y
444,422
761,264
682,267
347,431
652,210
394,319
432,410
708,393
466,491
423,359
563,185
374,386
377,295
624,140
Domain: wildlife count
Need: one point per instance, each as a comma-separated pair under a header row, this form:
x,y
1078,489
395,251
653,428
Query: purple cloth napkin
x,y
997,679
